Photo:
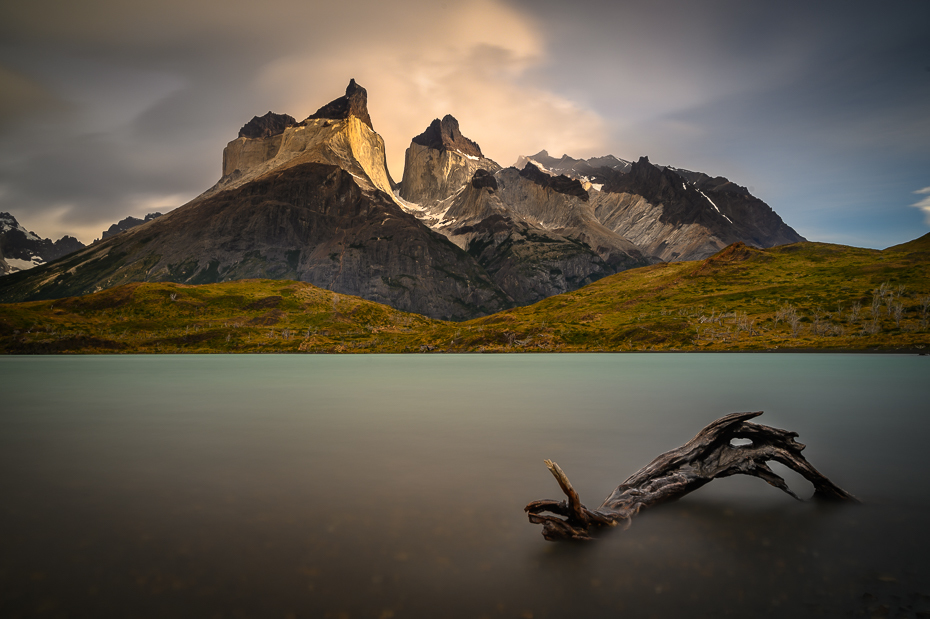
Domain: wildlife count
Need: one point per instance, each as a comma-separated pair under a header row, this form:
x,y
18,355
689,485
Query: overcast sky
x,y
110,108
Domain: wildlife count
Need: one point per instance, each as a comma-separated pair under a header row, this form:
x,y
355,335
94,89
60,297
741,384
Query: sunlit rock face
x,y
353,103
340,133
348,143
439,163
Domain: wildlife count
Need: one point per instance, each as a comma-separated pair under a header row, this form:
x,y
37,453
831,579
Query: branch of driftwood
x,y
709,455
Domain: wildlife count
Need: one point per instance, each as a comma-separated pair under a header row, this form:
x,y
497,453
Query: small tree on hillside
x,y
853,316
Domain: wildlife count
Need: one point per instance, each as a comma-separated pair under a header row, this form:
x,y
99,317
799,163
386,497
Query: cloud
x,y
153,90
108,107
924,204
21,96
475,70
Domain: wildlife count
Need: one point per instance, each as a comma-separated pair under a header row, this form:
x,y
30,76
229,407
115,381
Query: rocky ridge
x,y
591,172
670,213
126,224
21,249
560,184
629,213
680,215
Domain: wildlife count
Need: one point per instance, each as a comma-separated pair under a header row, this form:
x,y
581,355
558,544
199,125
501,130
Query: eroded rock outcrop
x,y
353,103
445,135
339,133
439,163
266,126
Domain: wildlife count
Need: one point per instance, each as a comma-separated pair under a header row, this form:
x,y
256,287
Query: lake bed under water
x,y
393,486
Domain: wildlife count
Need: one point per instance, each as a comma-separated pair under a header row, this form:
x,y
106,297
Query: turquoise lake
x,y
393,486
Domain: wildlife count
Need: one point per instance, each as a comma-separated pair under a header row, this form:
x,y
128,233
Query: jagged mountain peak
x,y
655,183
339,133
353,103
439,163
8,222
445,135
594,170
127,224
643,169
22,249
266,126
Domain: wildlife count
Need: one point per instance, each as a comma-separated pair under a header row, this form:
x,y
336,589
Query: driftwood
x,y
672,475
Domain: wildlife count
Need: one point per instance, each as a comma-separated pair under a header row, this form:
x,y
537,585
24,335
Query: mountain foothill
x,y
459,237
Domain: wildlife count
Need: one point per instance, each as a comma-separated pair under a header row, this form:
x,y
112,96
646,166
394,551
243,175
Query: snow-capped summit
x,y
21,249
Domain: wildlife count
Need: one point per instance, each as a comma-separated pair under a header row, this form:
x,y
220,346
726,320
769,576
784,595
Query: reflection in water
x,y
390,486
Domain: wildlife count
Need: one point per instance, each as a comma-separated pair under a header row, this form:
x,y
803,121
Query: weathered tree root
x,y
672,475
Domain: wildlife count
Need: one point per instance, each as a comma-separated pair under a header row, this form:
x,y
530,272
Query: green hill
x,y
800,296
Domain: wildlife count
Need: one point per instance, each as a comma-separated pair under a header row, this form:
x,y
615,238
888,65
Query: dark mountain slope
x,y
310,222
687,217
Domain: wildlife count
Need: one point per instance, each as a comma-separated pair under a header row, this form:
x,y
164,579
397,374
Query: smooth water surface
x,y
394,486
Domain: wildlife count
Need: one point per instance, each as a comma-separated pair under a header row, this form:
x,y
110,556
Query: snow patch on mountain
x,y
715,206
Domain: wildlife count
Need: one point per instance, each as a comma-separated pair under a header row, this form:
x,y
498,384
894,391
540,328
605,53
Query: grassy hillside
x,y
241,316
800,296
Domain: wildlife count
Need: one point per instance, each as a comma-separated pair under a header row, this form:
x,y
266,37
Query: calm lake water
x,y
394,486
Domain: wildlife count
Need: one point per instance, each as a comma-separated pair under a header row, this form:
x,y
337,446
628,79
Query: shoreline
x,y
805,351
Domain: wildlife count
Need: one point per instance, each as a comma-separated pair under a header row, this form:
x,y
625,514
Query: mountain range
x,y
459,237
21,249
